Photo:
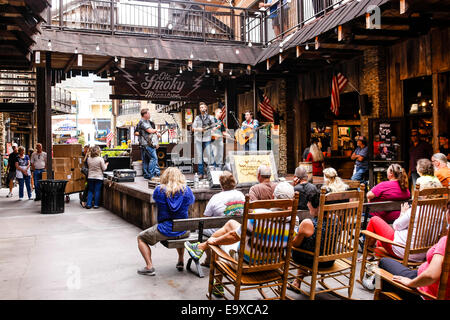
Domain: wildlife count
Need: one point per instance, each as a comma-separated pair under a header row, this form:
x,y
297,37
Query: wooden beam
x,y
16,107
105,66
383,33
70,63
270,63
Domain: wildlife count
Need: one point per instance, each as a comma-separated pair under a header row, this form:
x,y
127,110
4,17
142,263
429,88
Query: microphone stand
x,y
234,117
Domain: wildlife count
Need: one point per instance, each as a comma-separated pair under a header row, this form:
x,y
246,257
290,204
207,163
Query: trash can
x,y
52,196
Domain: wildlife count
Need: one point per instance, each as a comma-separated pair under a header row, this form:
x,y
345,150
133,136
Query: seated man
x,y
303,186
265,188
229,202
230,233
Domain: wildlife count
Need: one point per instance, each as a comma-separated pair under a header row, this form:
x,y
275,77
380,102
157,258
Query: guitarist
x,y
144,129
251,144
218,133
202,138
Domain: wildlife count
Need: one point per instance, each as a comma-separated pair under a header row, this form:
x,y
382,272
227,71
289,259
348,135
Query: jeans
x,y
397,269
27,181
95,188
202,153
360,174
149,162
37,175
217,153
252,144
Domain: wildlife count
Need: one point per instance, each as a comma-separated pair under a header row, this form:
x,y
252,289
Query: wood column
x,y
44,110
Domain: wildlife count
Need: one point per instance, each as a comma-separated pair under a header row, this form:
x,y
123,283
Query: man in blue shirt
x,y
249,122
361,155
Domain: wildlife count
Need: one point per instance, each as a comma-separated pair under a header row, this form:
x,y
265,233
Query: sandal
x,y
180,266
290,286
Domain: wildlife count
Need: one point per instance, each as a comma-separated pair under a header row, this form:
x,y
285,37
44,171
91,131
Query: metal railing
x,y
161,18
129,107
62,101
187,19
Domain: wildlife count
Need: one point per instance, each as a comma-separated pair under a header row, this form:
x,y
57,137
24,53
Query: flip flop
x,y
180,266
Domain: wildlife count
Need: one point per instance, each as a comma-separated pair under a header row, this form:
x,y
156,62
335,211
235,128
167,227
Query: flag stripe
x,y
338,84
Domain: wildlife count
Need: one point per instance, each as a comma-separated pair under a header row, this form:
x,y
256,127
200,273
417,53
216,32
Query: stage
x,y
133,201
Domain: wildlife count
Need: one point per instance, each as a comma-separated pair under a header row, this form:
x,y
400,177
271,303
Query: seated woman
x,y
306,237
426,278
315,156
425,169
396,189
173,198
332,182
399,231
229,202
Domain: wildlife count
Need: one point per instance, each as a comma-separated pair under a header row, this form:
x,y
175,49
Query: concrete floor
x,y
89,254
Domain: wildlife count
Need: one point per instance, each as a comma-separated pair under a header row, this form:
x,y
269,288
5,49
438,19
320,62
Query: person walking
x,y
23,172
12,159
202,138
315,156
96,166
38,165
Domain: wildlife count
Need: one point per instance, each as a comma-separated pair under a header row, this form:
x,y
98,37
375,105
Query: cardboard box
x,y
76,174
67,150
77,162
62,175
69,187
62,164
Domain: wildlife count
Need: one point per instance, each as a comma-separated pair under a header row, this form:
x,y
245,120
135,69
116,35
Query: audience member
x,y
229,202
425,171
441,169
305,238
443,145
264,189
361,157
426,278
398,233
303,187
173,198
332,182
395,189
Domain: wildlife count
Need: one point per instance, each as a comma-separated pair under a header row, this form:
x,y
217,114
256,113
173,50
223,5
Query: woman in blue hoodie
x,y
173,198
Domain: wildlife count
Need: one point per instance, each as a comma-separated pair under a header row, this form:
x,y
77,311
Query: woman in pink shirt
x,y
426,278
395,189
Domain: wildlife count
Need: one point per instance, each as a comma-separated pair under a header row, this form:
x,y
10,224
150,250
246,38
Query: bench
x,y
194,224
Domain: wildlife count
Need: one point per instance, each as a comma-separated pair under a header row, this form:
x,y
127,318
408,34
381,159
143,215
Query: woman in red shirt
x,y
426,278
315,156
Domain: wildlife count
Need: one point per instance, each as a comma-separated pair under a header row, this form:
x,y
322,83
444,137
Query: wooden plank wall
x,y
414,58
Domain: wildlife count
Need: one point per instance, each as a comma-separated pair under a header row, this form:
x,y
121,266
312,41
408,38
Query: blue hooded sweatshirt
x,y
175,207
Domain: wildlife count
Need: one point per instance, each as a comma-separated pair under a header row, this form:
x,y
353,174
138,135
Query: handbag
x,y
85,169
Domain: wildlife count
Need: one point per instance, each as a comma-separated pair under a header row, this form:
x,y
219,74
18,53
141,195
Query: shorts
x,y
11,176
152,236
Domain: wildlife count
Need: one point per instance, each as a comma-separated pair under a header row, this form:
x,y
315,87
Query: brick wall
x,y
374,83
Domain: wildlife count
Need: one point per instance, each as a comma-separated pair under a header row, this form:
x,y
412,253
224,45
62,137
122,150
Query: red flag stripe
x,y
266,109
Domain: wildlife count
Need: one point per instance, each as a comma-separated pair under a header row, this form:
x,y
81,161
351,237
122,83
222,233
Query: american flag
x,y
337,85
109,137
224,110
172,133
264,106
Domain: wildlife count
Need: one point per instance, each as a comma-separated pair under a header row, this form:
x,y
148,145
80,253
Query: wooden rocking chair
x,y
267,257
430,224
339,243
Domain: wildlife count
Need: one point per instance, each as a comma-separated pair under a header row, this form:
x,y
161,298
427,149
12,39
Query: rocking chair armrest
x,y
386,276
222,254
380,238
303,251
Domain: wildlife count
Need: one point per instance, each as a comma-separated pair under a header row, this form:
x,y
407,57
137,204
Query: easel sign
x,y
244,165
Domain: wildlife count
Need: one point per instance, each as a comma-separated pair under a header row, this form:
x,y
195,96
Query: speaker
x,y
364,105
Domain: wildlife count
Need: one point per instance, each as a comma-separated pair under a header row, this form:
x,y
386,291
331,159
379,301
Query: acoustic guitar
x,y
243,135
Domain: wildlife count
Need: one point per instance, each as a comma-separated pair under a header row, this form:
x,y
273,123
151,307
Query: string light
x,y
115,59
231,72
97,47
250,44
213,31
150,66
181,70
170,26
49,44
145,50
76,50
307,47
281,50
192,55
237,51
208,71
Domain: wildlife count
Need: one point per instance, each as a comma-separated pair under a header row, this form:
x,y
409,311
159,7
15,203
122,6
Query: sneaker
x,y
9,195
218,291
193,250
20,199
369,282
31,198
96,207
146,272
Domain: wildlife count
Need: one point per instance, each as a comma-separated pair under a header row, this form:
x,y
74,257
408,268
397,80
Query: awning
x,y
341,15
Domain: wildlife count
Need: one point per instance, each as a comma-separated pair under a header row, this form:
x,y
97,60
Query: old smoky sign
x,y
165,86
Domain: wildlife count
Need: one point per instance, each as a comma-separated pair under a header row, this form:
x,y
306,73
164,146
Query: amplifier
x,y
126,179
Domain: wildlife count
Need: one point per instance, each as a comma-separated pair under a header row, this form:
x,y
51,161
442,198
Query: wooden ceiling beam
x,y
70,63
383,32
105,66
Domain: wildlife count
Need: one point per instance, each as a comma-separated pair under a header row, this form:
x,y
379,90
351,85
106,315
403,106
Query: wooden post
x,y
255,96
60,13
112,17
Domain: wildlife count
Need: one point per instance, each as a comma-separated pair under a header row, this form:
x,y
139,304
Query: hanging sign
x,y
163,86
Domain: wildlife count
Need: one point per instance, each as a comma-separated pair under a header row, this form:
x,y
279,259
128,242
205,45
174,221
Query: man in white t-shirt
x,y
38,164
229,202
